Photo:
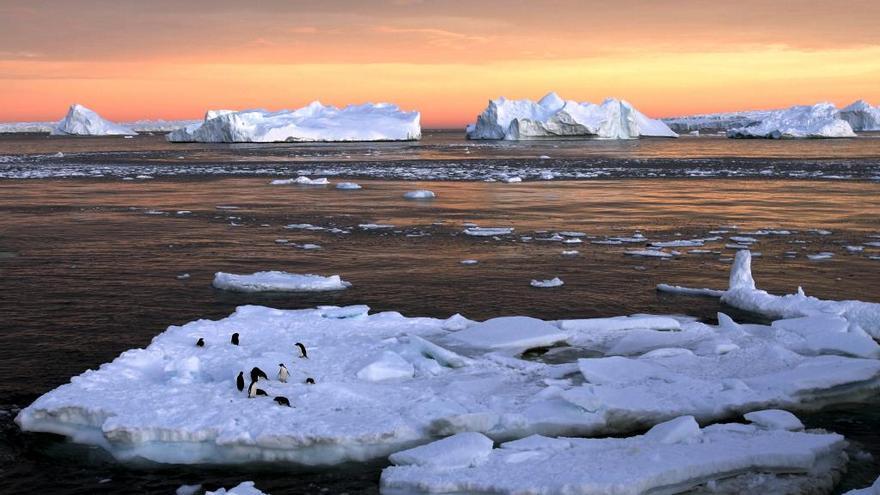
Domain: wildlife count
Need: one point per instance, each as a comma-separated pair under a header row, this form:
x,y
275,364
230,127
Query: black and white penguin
x,y
239,382
235,338
200,342
262,392
302,349
283,374
257,373
282,401
252,390
310,381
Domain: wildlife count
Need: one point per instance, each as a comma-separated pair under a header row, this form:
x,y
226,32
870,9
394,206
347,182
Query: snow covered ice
x,y
244,488
821,120
275,281
553,282
672,457
862,116
302,181
553,117
420,194
314,122
80,121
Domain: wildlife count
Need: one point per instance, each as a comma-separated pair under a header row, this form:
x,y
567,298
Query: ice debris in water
x,y
301,180
420,194
278,281
348,186
244,488
553,282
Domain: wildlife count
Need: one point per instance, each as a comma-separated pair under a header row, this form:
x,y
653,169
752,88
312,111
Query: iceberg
x,y
276,281
555,118
80,121
673,457
821,120
314,122
862,116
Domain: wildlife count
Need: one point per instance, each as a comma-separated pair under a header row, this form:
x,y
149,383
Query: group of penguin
x,y
257,373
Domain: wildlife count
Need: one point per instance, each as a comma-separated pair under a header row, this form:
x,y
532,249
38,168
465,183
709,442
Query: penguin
x,y
239,382
257,373
262,392
310,381
252,390
200,342
283,374
235,338
282,401
302,349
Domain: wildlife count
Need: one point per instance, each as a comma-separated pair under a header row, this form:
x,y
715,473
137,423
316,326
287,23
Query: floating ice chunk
x,y
648,253
570,252
244,488
461,450
683,429
510,332
375,226
420,194
302,181
183,276
469,262
308,246
348,186
278,281
80,121
679,243
620,323
572,233
512,180
488,231
187,489
554,282
821,120
741,272
825,255
775,419
726,456
547,175
689,291
314,122
553,117
743,239
871,490
855,249
389,366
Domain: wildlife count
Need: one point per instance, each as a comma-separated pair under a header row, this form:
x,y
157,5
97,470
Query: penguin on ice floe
x,y
257,373
282,401
310,381
239,382
200,342
253,391
283,374
235,338
302,350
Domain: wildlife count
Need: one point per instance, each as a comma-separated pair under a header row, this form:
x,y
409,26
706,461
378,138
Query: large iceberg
x,y
80,121
862,116
314,122
821,120
673,457
554,118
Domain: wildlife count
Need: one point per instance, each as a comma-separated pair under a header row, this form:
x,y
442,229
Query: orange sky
x,y
172,59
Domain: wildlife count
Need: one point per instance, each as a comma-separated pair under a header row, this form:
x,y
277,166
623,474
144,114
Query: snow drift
x,y
553,118
80,121
314,122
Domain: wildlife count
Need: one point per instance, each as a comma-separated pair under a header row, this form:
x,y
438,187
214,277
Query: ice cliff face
x,y
315,122
80,121
821,120
553,117
862,116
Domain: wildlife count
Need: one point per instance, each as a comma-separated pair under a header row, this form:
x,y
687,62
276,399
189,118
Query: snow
x,y
302,181
273,281
244,488
817,121
516,333
775,419
862,116
388,366
461,450
554,282
683,457
553,117
314,122
348,186
420,194
80,121
488,231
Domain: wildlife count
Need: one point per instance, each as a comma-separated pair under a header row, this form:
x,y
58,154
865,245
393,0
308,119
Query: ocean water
x,y
90,265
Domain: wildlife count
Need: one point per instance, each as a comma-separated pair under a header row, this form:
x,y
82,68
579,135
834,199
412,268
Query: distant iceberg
x,y
821,120
553,117
80,121
314,122
862,116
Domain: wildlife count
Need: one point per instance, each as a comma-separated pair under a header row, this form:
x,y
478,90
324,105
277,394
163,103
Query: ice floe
x,y
276,281
420,194
314,122
553,117
488,231
301,180
244,488
553,282
80,121
821,120
672,457
348,186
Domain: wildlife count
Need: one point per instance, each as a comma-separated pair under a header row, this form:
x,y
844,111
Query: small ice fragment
x,y
554,282
348,186
420,194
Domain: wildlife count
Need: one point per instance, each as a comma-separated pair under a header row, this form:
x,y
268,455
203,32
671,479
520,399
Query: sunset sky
x,y
175,59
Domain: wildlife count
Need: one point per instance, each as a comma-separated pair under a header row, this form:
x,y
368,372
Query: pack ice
x,y
672,457
80,121
821,120
385,382
314,122
553,117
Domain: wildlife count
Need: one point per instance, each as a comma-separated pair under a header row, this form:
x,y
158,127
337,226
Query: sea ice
x,y
80,121
314,122
554,282
301,180
488,231
349,186
244,488
648,253
420,194
276,281
553,117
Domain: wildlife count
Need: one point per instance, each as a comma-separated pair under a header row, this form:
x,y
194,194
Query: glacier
x,y
821,120
314,122
80,121
554,118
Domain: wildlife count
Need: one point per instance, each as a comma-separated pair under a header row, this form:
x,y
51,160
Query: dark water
x,y
88,273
